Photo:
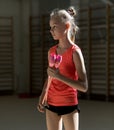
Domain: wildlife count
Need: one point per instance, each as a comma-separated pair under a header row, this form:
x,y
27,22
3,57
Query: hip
x,y
62,110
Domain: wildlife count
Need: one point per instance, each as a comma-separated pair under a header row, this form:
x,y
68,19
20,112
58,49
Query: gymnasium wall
x,y
20,11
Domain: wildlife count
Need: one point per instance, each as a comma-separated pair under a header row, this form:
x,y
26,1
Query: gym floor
x,y
21,114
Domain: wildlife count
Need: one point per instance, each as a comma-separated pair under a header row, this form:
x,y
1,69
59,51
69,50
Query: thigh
x,y
71,121
54,122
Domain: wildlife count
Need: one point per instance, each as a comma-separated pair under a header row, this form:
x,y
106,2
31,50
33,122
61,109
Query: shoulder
x,y
77,53
76,49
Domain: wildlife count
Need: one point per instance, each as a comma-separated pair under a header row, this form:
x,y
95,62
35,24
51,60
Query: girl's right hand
x,y
40,105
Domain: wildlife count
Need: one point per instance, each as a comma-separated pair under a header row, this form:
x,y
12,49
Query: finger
x,y
40,108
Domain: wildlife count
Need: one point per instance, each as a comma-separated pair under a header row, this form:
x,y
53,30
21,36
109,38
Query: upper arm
x,y
79,64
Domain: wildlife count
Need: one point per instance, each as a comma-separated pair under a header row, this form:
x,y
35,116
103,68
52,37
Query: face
x,y
57,29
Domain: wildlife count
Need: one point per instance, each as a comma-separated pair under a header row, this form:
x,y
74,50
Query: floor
x,y
21,114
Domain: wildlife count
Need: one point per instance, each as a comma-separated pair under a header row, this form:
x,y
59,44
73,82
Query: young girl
x,y
62,101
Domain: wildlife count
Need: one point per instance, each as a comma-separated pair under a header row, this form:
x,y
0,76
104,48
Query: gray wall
x,y
21,10
85,3
48,5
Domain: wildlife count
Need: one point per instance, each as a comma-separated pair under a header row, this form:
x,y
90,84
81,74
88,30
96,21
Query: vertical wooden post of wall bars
x,y
12,38
108,51
89,52
30,50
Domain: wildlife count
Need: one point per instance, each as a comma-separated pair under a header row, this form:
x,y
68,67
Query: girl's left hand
x,y
52,72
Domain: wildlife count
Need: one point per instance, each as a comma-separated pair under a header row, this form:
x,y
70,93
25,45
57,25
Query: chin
x,y
55,38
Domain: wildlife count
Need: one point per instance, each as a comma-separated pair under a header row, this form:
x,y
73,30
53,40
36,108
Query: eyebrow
x,y
54,24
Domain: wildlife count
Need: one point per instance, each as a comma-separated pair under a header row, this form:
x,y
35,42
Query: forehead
x,y
55,20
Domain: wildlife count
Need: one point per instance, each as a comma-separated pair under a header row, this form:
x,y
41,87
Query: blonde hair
x,y
67,16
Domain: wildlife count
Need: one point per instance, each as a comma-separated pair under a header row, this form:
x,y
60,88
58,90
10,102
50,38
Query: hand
x,y
41,104
52,72
40,107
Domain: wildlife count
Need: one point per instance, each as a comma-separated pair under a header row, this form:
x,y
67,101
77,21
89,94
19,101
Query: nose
x,y
51,30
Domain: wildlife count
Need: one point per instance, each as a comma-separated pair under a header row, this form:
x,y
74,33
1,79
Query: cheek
x,y
63,32
59,34
63,29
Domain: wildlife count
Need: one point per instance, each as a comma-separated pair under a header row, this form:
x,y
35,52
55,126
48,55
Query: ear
x,y
67,25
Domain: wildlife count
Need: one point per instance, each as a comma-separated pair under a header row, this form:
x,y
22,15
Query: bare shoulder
x,y
78,57
77,53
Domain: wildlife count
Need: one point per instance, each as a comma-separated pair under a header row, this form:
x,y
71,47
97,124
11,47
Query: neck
x,y
64,44
61,46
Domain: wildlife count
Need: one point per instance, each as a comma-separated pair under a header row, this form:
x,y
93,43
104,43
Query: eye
x,y
53,28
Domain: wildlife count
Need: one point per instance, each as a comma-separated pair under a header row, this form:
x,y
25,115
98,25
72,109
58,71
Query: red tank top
x,y
59,93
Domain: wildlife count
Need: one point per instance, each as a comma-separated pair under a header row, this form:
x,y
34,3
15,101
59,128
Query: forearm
x,y
77,84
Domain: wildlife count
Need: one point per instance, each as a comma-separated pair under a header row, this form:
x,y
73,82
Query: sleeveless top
x,y
59,93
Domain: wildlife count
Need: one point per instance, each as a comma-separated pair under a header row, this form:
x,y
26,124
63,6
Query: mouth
x,y
53,35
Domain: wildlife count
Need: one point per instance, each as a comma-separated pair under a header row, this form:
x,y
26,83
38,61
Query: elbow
x,y
84,85
85,88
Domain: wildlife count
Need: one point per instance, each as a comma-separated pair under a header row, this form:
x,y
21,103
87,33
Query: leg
x,y
54,122
71,121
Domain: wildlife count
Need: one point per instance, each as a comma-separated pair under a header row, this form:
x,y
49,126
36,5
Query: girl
x,y
62,102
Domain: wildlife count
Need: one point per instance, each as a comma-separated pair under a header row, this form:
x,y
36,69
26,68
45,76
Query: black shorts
x,y
62,110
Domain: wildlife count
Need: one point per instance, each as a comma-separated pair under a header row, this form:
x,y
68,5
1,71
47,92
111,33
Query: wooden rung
x,y
98,83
